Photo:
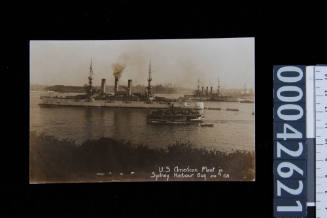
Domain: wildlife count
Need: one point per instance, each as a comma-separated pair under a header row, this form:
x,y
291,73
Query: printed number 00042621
x,y
289,110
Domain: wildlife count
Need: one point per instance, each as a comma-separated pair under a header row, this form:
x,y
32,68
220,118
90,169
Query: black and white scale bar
x,y
320,74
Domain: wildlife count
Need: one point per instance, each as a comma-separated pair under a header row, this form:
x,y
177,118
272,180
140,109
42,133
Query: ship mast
x,y
198,93
149,81
218,87
90,79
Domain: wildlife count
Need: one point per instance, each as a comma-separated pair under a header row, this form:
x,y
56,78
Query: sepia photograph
x,y
159,110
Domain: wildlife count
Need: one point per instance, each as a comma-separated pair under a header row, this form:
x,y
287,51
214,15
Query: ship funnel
x,y
202,90
116,86
207,90
211,90
103,86
130,87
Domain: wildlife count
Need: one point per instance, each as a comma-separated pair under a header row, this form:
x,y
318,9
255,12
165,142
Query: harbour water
x,y
232,130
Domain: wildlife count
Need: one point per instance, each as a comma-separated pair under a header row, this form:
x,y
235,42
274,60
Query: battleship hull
x,y
48,101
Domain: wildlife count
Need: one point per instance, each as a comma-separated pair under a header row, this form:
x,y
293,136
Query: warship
x,y
120,98
205,95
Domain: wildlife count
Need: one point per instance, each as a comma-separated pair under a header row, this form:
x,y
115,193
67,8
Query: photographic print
x,y
156,110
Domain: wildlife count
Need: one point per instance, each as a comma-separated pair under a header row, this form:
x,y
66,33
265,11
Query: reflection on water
x,y
232,129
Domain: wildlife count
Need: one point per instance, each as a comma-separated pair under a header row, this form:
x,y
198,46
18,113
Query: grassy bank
x,y
54,160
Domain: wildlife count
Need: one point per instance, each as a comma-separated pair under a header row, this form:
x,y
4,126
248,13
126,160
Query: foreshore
x,y
104,160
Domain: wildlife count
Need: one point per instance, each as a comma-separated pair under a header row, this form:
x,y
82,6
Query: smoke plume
x,y
118,69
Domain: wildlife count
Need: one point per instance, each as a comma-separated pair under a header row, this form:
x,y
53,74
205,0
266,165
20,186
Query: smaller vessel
x,y
213,108
207,125
232,109
175,115
246,100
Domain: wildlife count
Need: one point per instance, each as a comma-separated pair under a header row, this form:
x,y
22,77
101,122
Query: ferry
x,y
174,115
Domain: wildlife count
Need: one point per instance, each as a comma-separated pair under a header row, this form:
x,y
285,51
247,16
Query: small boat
x,y
232,109
213,108
207,125
245,100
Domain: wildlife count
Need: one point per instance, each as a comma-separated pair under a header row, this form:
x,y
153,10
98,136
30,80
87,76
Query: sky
x,y
180,62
